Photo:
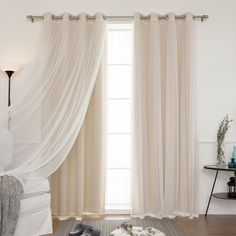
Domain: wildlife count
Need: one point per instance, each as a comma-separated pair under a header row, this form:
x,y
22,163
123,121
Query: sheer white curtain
x,y
165,157
78,186
46,116
3,90
5,149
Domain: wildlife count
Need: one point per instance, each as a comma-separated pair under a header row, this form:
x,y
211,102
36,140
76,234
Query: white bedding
x,y
35,214
34,186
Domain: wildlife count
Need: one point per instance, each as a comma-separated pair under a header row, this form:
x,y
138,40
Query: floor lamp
x,y
9,74
6,139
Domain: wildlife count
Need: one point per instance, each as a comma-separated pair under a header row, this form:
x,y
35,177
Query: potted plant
x,y
223,128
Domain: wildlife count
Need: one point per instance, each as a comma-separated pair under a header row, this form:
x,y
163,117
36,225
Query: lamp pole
x,y
9,74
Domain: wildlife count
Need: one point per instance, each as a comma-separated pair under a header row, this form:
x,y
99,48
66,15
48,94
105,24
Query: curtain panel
x,y
78,186
165,136
45,118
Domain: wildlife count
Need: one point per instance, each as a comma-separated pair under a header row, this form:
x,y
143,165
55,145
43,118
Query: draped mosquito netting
x,y
39,128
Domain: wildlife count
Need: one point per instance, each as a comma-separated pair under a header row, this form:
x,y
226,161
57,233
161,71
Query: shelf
x,y
216,167
223,196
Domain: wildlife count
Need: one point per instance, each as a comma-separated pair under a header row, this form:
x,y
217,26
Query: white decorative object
x,y
138,231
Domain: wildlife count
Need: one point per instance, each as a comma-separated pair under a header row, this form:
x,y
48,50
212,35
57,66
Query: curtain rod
x,y
89,17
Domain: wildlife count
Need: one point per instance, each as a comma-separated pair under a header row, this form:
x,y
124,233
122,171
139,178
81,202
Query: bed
x,y
35,213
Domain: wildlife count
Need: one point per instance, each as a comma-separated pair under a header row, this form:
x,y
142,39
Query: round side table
x,y
222,195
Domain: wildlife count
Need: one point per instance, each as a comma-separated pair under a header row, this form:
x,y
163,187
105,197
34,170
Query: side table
x,y
222,195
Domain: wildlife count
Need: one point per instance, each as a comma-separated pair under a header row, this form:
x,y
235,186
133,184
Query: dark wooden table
x,y
222,195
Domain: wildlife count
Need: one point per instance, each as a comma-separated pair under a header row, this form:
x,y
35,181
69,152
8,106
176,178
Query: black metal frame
x,y
209,201
217,168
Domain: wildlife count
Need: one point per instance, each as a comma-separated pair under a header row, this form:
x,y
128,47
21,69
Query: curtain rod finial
x,y
204,17
31,18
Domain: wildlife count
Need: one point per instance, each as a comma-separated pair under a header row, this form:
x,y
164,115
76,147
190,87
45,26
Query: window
x,y
119,79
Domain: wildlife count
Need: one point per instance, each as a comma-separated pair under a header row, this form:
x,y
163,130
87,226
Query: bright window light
x,y
119,84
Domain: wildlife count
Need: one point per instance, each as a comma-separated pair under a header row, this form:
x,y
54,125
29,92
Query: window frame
x,y
129,99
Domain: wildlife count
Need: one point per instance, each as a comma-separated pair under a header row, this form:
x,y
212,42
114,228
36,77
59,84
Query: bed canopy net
x,y
39,128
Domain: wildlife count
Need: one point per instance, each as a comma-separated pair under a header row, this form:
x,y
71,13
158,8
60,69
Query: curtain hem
x,y
170,216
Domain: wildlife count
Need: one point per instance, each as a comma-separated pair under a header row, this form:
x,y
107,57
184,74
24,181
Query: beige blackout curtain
x,y
164,170
78,186
165,158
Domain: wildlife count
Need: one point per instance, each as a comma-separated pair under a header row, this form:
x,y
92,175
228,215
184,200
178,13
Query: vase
x,y
220,155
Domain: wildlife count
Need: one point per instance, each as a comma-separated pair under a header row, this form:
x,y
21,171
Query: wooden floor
x,y
213,225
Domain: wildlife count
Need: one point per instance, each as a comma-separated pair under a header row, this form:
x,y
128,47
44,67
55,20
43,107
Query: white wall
x,y
216,61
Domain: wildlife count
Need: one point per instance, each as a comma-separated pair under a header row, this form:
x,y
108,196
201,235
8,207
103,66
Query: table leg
x,y
209,201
